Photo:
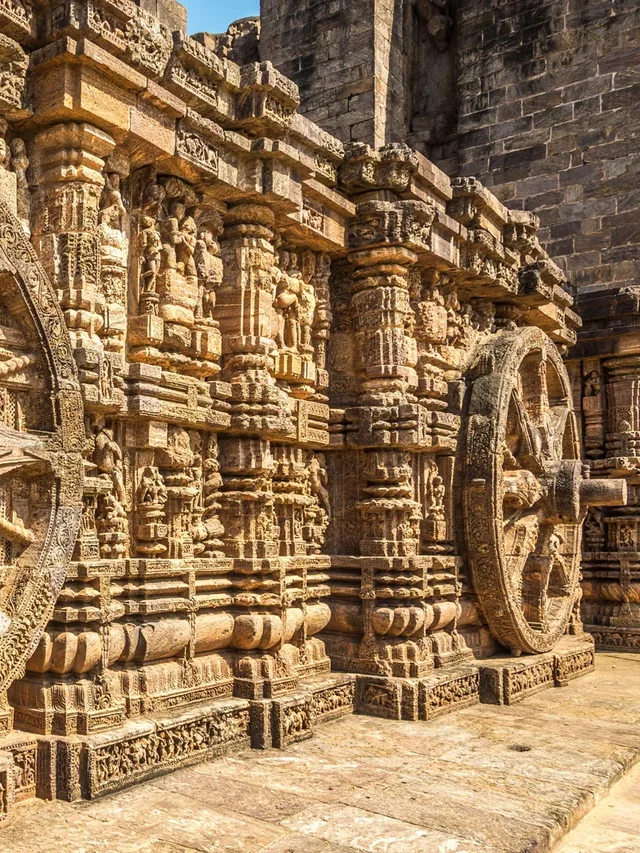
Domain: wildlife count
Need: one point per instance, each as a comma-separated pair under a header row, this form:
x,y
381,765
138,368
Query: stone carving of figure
x,y
287,305
318,481
171,234
177,461
113,520
154,196
556,562
185,248
199,530
152,491
439,24
323,318
179,239
208,268
107,458
178,456
106,380
307,301
436,503
454,317
627,536
113,253
19,165
592,384
151,498
150,251
5,151
483,315
12,75
212,483
594,522
112,195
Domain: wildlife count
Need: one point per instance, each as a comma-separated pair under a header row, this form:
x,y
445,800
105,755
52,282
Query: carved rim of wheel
x,y
28,591
521,490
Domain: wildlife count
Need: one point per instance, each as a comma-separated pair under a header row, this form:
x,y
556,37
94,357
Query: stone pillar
x,y
612,536
388,428
69,175
623,405
260,412
248,323
380,307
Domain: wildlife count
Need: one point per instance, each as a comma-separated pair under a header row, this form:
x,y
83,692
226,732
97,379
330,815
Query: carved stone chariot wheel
x,y
41,441
524,493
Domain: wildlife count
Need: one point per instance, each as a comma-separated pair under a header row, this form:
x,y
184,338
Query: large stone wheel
x,y
524,495
41,477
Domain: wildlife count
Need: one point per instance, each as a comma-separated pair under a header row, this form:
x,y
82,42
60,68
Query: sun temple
x,y
319,371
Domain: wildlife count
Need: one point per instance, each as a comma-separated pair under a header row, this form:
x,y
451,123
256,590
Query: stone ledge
x,y
615,638
507,680
293,717
413,699
89,766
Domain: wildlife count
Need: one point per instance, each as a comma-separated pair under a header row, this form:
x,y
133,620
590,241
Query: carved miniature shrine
x,y
286,428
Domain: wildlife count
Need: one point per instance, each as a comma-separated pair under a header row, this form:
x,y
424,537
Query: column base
x,y
615,638
442,692
506,680
87,766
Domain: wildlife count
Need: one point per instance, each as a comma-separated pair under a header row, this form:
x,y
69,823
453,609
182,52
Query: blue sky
x,y
214,16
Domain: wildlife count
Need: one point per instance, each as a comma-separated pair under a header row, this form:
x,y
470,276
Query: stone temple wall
x,y
547,94
537,99
285,426
548,118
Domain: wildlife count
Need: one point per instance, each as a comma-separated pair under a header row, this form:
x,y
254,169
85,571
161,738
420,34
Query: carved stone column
x,y
611,410
69,174
248,323
259,412
389,428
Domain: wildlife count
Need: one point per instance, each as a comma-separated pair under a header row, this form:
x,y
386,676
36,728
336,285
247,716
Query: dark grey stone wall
x,y
548,118
327,48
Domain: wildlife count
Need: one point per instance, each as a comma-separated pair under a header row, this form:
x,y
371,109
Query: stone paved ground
x,y
484,780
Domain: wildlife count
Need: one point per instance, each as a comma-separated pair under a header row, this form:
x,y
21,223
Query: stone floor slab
x,y
488,779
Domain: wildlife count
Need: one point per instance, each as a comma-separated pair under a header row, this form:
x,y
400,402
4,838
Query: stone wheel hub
x,y
524,492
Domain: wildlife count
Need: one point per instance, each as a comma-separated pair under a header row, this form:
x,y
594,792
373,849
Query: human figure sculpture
x,y
152,491
286,302
318,481
179,240
436,507
112,195
592,384
107,457
186,245
307,302
209,270
5,151
171,235
112,239
150,251
19,165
